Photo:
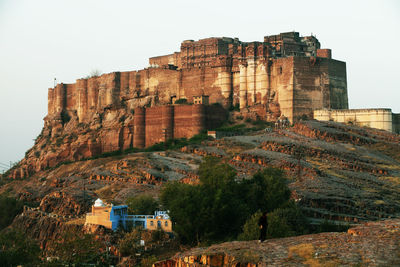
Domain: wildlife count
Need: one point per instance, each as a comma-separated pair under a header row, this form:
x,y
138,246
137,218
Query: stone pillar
x,y
50,101
59,97
226,86
168,122
243,85
81,86
139,128
198,118
251,88
93,93
262,82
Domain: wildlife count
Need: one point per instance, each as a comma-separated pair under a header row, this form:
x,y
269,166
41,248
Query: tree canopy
x,y
17,249
142,204
9,208
218,208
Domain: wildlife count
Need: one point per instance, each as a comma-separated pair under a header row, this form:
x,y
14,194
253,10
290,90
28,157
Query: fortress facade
x,y
285,74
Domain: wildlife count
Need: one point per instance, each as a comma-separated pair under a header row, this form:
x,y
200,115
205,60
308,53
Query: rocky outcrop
x,y
68,202
369,244
332,174
43,227
65,139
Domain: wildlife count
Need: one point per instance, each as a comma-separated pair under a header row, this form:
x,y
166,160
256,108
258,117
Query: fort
x,y
285,77
285,74
378,118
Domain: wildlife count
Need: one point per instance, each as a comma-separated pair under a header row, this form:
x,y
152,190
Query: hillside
x,y
341,173
336,172
370,244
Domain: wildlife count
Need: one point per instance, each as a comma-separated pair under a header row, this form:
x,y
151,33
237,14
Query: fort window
x,y
166,223
280,70
151,223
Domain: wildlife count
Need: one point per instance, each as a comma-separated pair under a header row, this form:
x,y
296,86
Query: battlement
x,y
285,74
379,118
200,53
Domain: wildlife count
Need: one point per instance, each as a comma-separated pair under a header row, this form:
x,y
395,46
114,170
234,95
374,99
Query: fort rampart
x,y
378,118
286,74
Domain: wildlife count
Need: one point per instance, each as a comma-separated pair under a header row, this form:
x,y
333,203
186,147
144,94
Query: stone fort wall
x,y
158,124
380,118
286,74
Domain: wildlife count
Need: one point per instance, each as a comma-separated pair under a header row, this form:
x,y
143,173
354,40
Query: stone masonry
x,y
286,74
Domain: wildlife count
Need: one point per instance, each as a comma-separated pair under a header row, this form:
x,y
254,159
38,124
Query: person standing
x,y
263,223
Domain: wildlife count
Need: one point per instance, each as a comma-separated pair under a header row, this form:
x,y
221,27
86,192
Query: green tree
x,y
251,229
18,249
75,248
215,174
210,211
183,203
221,206
130,243
9,208
291,215
142,205
267,190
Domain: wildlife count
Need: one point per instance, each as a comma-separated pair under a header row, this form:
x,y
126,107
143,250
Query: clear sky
x,y
67,39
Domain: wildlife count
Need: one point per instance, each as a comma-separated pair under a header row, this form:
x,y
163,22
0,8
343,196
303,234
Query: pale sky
x,y
67,39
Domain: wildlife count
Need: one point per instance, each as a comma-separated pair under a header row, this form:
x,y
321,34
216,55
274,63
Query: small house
x,y
112,217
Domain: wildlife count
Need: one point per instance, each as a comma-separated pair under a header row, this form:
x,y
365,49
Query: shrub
x,y
74,248
288,220
251,230
17,249
65,117
142,205
9,208
130,243
181,101
148,261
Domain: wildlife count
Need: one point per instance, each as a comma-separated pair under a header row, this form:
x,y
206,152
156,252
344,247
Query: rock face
x,y
337,172
284,75
42,227
65,139
370,244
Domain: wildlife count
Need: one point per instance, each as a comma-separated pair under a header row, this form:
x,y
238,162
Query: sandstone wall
x,y
374,118
396,123
286,74
158,124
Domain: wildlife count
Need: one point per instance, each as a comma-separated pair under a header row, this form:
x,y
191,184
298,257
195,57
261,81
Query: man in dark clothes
x,y
262,222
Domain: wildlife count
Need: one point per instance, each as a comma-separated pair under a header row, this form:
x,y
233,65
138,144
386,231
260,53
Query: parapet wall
x,y
382,119
396,122
285,75
158,124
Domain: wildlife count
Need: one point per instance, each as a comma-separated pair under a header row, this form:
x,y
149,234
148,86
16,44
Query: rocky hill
x,y
336,172
370,244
